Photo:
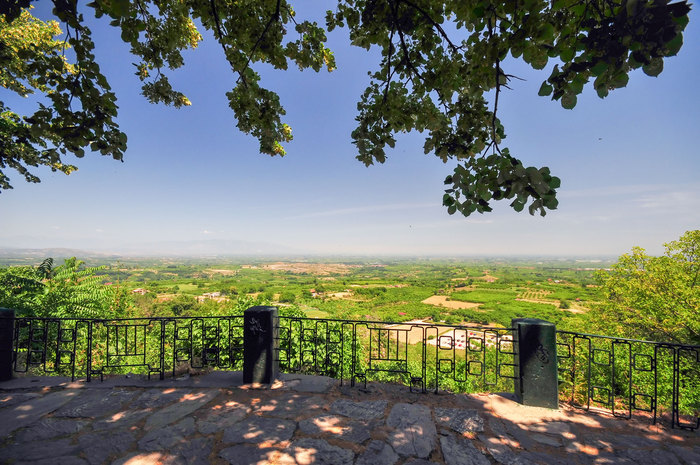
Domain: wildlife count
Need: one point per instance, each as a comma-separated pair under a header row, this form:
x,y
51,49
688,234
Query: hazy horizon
x,y
9,253
629,168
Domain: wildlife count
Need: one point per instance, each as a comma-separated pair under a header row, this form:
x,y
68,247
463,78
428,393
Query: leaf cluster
x,y
71,290
441,73
655,297
79,111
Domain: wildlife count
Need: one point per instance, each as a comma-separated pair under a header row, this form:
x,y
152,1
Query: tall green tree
x,y
439,60
71,290
654,297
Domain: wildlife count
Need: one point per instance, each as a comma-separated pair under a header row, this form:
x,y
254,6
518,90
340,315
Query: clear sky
x,y
191,182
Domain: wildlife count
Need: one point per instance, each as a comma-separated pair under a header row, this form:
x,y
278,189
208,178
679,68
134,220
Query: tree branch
x,y
389,73
286,7
217,23
497,66
409,63
144,16
439,28
273,18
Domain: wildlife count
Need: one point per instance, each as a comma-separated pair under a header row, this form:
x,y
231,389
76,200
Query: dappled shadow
x,y
290,405
345,425
570,435
148,458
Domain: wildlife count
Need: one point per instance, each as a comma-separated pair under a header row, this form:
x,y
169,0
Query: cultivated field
x,y
452,292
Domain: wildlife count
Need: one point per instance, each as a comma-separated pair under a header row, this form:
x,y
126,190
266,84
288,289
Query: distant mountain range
x,y
207,248
222,249
56,252
218,247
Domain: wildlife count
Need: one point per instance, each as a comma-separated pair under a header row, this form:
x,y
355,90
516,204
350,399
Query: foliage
x,y
439,61
654,297
81,111
317,346
287,297
66,291
626,376
485,296
181,305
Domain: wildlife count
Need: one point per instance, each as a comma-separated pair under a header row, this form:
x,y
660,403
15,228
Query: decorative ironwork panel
x,y
420,355
46,345
631,377
80,347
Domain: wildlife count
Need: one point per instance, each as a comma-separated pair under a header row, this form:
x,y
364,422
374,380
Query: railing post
x,y
536,381
88,353
7,329
260,345
162,351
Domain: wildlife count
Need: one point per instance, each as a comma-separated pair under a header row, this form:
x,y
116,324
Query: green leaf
x,y
568,101
620,80
567,54
546,34
540,59
654,68
674,45
599,68
601,87
529,53
681,21
551,203
545,89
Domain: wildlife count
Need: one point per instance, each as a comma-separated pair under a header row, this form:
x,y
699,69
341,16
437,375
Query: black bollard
x,y
7,325
260,345
536,383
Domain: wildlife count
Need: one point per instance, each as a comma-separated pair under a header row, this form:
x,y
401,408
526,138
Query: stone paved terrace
x,y
215,419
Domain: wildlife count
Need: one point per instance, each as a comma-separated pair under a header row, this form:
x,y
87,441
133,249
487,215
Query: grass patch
x,y
188,288
316,313
484,296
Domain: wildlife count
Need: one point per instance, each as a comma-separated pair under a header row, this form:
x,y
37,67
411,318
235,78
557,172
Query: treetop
x,y
442,72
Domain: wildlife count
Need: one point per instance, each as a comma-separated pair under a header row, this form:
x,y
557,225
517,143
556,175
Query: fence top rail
x,y
384,324
399,323
622,339
281,317
111,320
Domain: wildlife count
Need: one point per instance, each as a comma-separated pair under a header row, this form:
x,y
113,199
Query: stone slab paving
x,y
215,419
413,430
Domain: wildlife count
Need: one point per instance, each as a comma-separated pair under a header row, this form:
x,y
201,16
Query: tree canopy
x,y
71,290
655,297
441,72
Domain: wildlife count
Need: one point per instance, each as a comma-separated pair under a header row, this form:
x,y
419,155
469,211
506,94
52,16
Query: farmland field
x,y
441,291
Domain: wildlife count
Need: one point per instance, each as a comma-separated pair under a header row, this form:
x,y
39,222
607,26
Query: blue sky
x,y
191,182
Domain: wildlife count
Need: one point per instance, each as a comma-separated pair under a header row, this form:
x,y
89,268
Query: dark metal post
x,y
162,350
7,329
536,383
88,366
260,345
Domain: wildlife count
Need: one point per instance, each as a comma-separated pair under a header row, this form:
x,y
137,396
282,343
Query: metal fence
x,y
89,348
423,356
628,376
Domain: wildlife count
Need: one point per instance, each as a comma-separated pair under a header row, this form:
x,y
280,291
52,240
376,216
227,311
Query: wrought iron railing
x,y
628,377
421,355
424,356
87,347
